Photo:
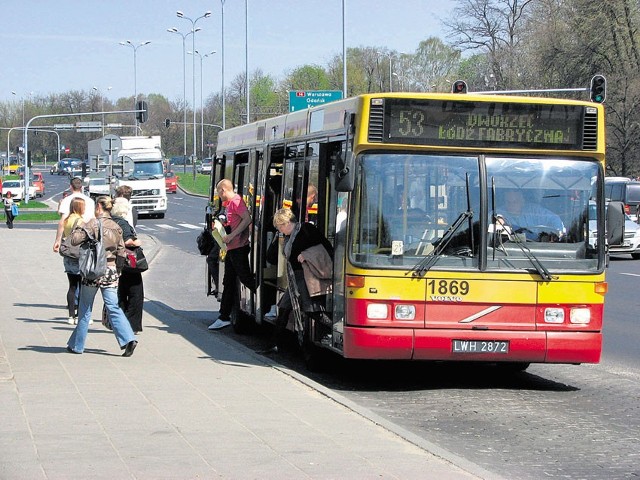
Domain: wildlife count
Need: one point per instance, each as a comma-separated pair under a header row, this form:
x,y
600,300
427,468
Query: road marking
x,y
631,274
167,227
188,225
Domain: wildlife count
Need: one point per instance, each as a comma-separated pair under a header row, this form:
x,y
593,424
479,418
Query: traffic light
x,y
598,89
144,114
167,122
459,86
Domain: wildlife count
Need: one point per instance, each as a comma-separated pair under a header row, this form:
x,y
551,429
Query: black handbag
x,y
135,261
205,242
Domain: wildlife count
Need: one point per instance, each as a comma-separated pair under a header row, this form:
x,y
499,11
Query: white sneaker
x,y
71,321
218,324
91,321
273,313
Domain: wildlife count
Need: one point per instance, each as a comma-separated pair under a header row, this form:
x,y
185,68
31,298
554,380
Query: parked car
x,y
38,182
16,187
171,182
630,242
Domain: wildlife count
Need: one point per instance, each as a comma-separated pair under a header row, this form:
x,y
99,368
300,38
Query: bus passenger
x,y
236,263
530,218
309,294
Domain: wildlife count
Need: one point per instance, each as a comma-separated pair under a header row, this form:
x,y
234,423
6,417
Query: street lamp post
x,y
207,14
222,76
201,97
390,55
184,91
22,100
135,73
101,105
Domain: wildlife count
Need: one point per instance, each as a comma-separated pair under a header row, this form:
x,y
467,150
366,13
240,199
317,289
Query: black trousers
x,y
131,298
74,283
236,267
9,217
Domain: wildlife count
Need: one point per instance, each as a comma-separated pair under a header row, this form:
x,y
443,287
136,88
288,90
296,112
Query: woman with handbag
x,y
8,208
70,256
130,286
109,234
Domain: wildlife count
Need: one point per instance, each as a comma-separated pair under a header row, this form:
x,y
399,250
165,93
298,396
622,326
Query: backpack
x,y
93,258
205,242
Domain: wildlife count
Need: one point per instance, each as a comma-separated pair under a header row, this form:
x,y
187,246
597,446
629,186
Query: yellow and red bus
x,y
417,194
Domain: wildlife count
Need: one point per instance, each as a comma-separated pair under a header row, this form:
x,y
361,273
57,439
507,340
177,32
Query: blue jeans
x,y
121,327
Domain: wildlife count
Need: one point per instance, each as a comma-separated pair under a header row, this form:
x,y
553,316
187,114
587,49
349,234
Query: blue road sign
x,y
301,99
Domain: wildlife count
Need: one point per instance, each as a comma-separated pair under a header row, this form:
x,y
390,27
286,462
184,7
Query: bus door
x,y
244,180
270,180
336,208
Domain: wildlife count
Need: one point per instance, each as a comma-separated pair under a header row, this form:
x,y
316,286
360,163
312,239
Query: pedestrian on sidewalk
x,y
8,203
130,286
64,207
71,264
108,284
236,262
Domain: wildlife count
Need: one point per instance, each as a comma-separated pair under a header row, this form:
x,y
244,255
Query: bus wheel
x,y
311,353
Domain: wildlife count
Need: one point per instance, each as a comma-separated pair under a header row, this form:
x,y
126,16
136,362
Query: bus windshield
x,y
473,212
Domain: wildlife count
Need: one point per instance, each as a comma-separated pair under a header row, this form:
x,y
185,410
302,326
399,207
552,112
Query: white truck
x,y
138,164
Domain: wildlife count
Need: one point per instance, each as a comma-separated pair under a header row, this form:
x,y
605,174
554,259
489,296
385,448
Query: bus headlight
x,y
405,312
580,315
377,311
553,315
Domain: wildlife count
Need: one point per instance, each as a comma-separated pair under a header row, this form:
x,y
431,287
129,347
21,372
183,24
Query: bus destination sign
x,y
483,124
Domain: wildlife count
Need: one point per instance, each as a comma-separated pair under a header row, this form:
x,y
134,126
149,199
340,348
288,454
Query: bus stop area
x,y
188,404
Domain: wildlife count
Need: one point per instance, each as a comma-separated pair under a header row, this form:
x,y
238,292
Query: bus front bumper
x,y
438,344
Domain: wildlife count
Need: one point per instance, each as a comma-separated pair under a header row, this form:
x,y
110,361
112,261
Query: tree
x,y
432,64
493,27
307,77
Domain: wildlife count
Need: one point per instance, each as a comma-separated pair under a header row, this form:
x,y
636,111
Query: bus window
x,y
541,204
406,203
313,183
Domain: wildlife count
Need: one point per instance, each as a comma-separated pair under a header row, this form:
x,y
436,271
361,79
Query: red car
x,y
171,182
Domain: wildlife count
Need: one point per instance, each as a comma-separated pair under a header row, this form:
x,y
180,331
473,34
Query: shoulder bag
x,y
135,261
93,258
14,210
66,249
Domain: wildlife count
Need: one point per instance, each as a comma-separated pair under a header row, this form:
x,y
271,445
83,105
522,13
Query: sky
x,y
62,45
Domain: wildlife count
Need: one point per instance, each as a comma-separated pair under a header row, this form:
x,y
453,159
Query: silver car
x,y
631,241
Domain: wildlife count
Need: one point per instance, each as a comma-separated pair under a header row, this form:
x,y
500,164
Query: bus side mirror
x,y
345,172
615,223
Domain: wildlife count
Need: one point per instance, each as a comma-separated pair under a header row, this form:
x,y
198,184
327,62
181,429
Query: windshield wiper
x,y
515,237
425,265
